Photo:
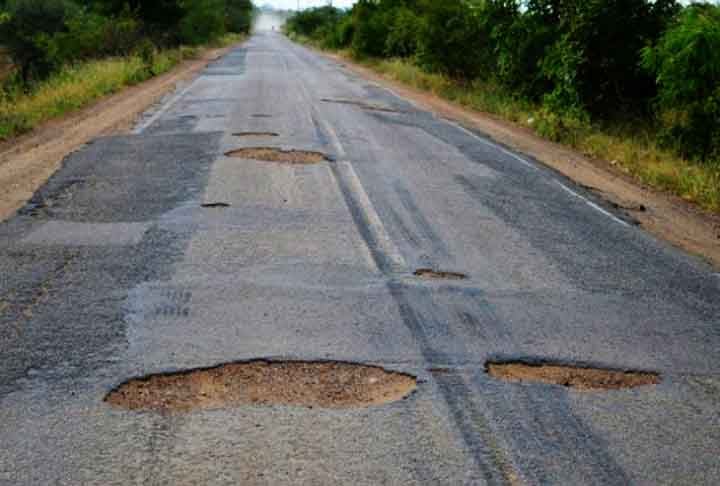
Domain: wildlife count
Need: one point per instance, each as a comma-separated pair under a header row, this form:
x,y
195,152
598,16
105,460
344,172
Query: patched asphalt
x,y
115,270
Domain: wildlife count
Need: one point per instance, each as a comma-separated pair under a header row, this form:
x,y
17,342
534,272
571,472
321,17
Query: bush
x,y
314,21
371,29
402,39
602,40
451,40
239,16
686,63
204,20
28,33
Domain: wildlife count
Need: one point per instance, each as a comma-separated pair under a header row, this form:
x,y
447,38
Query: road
x,y
115,270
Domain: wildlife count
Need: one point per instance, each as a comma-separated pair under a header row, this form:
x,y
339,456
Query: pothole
x,y
361,104
216,205
429,273
295,383
256,134
269,154
579,377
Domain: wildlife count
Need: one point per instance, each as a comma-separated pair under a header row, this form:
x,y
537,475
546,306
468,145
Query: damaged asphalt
x,y
115,270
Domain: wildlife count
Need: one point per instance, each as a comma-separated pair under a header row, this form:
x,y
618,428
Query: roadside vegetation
x,y
634,82
68,53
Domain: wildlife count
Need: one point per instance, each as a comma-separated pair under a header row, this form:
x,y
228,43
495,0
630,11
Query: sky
x,y
292,4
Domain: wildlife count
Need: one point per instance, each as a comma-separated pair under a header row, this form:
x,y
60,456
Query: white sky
x,y
292,4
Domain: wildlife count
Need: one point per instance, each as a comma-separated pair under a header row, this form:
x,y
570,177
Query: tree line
x,y
583,61
43,35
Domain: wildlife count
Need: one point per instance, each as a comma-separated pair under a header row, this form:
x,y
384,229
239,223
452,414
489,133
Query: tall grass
x,y
631,148
76,86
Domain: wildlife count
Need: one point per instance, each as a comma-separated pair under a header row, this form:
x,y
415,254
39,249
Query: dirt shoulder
x,y
28,161
668,217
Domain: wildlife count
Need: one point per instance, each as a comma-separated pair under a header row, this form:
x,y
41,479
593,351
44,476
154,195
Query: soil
x,y
26,162
581,378
331,385
268,154
671,218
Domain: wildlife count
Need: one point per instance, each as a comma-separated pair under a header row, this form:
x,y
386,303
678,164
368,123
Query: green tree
x,y
686,65
28,32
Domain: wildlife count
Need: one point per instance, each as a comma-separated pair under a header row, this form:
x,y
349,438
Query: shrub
x,y
686,63
604,40
203,21
28,33
402,40
371,29
451,39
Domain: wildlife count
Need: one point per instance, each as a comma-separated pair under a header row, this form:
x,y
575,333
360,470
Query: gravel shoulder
x,y
665,216
28,161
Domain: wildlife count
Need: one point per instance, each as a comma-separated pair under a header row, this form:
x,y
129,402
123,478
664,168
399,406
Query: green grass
x,y
76,86
632,148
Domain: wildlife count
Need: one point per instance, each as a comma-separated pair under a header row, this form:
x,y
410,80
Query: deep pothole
x,y
256,134
429,273
578,377
216,205
270,154
333,385
361,104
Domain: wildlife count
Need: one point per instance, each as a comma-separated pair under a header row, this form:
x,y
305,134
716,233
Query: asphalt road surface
x,y
115,270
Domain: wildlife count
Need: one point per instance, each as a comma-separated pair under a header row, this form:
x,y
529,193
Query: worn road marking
x,y
359,201
491,144
592,204
164,109
464,130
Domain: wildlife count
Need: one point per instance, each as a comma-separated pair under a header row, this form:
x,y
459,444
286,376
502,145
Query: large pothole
x,y
296,383
579,377
269,154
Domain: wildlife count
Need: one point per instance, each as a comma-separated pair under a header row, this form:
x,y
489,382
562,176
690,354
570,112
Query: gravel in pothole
x,y
579,377
331,385
268,154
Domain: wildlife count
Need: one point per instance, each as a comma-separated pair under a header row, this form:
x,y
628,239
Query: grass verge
x,y
78,85
632,148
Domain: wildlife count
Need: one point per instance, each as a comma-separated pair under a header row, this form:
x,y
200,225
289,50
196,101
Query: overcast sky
x,y
287,4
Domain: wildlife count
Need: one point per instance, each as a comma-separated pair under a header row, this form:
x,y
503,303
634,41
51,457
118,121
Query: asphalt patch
x,y
431,274
578,377
332,385
269,154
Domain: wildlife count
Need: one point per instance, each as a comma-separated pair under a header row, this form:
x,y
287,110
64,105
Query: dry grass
x,y
78,85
